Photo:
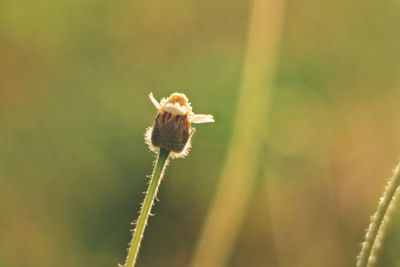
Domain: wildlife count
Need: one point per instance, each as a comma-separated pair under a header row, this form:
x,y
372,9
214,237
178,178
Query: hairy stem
x,y
379,221
151,193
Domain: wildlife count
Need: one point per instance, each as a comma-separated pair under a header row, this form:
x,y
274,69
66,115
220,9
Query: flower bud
x,y
172,127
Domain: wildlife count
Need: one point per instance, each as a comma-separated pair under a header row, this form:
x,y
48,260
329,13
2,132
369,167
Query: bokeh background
x,y
74,81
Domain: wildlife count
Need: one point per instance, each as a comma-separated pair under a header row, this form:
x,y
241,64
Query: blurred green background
x,y
74,81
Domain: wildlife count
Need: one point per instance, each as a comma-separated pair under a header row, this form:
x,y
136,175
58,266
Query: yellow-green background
x,y
74,80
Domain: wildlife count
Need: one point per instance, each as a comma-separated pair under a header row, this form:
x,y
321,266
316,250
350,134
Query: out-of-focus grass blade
x,y
238,175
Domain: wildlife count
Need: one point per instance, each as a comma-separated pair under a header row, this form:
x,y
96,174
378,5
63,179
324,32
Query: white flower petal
x,y
154,101
175,109
202,118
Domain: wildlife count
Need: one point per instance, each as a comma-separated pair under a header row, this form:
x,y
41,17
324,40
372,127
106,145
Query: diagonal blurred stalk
x,y
227,211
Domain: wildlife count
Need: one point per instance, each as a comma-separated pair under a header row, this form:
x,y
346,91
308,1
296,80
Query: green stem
x,y
379,220
151,193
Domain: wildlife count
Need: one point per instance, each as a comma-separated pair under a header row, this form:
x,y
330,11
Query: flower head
x,y
172,127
